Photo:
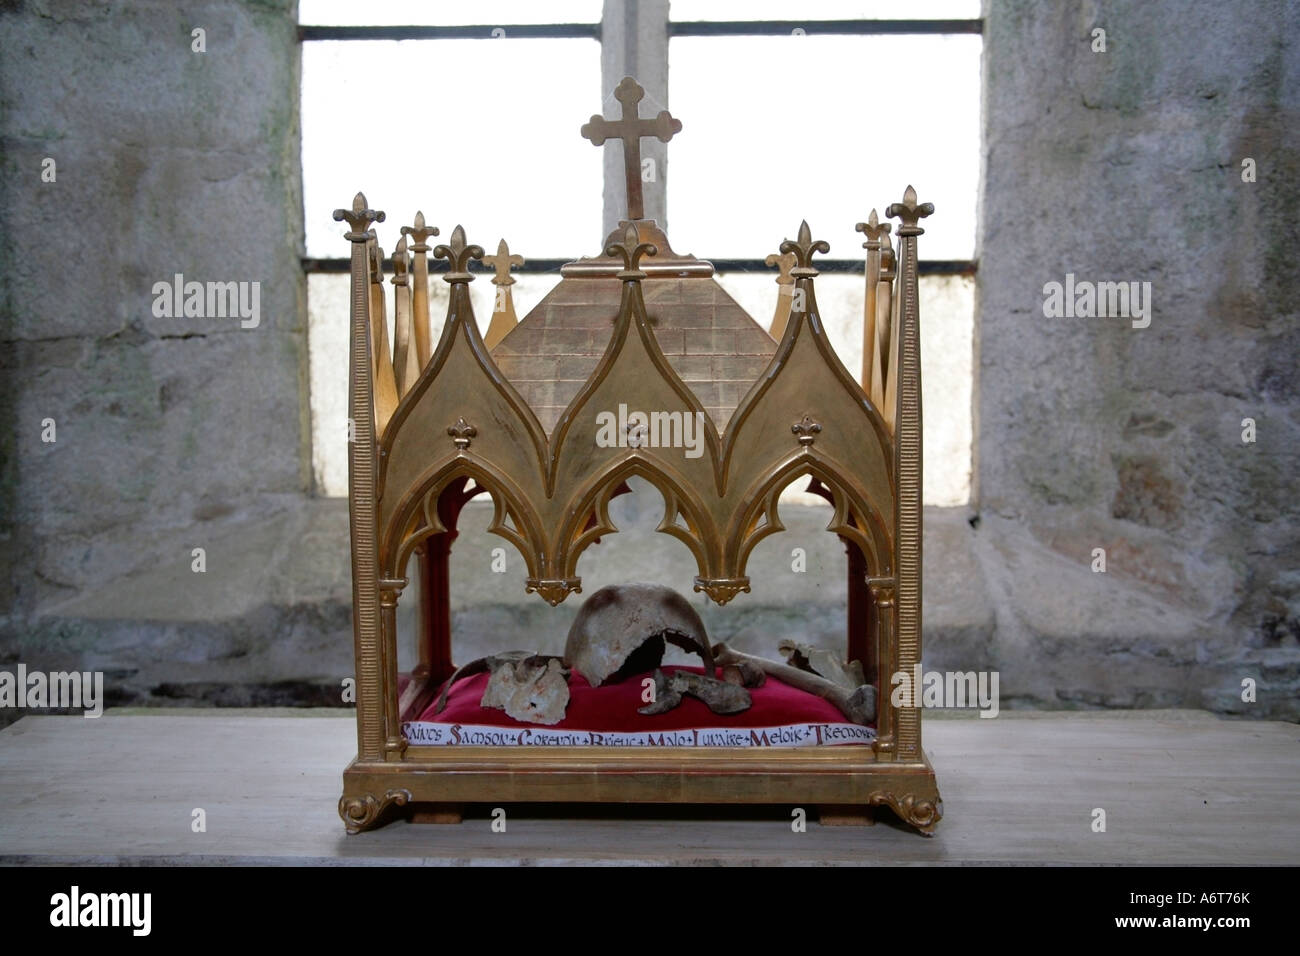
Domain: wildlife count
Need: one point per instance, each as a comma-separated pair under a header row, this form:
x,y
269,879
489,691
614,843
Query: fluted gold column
x,y
361,488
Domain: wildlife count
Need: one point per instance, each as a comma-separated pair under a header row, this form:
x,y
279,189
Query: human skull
x,y
621,629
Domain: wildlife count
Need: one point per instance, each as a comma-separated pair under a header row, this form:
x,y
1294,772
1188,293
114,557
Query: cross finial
x,y
502,262
630,129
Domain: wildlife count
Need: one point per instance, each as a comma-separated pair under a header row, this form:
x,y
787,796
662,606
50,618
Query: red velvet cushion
x,y
613,707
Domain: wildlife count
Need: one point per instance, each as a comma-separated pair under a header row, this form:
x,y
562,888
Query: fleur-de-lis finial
x,y
401,262
376,262
874,230
419,232
358,218
803,249
631,251
461,433
806,431
910,213
458,254
784,262
887,262
502,262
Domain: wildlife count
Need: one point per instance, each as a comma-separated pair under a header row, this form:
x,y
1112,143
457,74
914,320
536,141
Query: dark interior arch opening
x,y
823,572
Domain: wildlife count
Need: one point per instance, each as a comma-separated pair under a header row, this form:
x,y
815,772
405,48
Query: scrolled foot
x,y
921,811
360,812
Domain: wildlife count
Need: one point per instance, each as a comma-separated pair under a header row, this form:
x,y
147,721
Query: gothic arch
x,y
853,519
416,517
592,511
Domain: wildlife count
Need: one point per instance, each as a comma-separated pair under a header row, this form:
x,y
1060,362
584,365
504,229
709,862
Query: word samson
x,y
67,690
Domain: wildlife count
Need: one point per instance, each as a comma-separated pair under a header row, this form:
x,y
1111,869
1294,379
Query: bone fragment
x,y
858,705
533,690
744,674
822,662
490,663
719,696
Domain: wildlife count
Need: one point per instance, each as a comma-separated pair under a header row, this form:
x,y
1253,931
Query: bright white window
x,y
777,128
450,127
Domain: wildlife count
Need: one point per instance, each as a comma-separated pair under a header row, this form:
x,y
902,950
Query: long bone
x,y
857,705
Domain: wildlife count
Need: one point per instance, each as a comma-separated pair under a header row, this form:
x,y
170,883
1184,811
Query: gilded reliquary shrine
x,y
636,364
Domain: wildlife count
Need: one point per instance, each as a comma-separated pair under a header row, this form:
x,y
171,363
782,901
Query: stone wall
x,y
176,433
1127,165
166,161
